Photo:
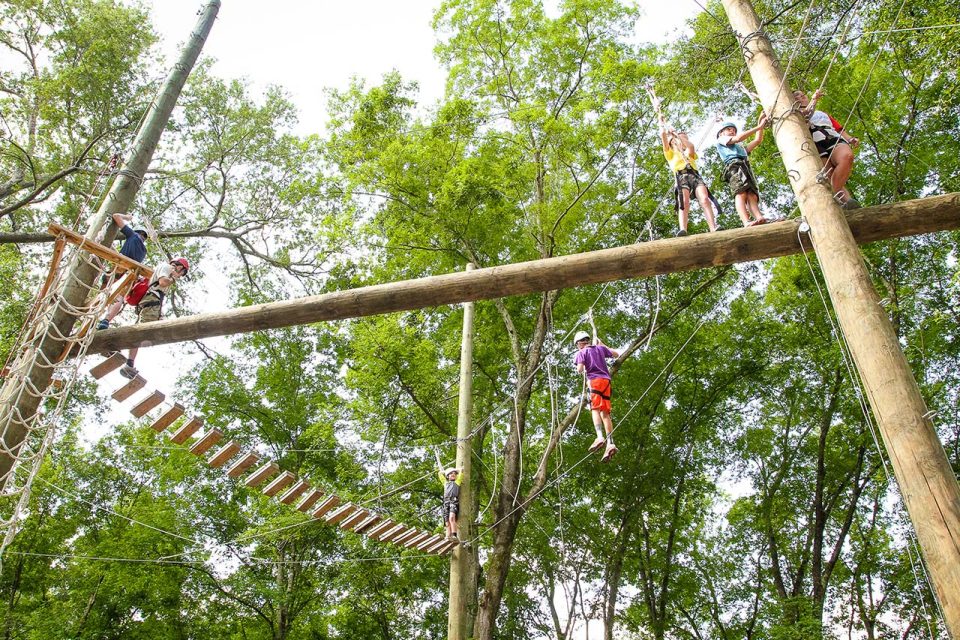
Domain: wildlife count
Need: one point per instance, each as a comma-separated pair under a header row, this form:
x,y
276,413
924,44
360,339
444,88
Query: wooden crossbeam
x,y
168,418
403,536
645,259
380,528
416,540
391,534
366,523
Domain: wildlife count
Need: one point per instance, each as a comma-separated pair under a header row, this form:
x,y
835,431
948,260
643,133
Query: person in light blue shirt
x,y
737,172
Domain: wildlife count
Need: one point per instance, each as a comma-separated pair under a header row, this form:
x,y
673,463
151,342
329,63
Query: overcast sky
x,y
307,46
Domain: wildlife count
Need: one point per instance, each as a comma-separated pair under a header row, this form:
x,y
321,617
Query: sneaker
x,y
610,451
850,204
128,371
597,444
681,233
103,324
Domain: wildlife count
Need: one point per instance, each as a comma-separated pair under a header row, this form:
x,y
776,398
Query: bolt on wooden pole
x,y
929,486
463,560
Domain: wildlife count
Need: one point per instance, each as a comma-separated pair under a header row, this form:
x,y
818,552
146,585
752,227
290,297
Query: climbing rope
x,y
47,350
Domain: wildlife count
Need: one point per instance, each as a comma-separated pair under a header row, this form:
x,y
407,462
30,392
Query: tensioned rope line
x,y
857,36
855,382
161,561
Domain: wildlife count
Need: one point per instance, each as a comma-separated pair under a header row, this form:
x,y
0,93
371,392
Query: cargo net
x,y
42,369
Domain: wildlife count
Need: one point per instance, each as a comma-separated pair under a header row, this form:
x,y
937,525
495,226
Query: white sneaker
x,y
597,444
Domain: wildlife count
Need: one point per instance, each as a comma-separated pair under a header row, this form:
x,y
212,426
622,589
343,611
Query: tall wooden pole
x,y
928,484
17,410
463,560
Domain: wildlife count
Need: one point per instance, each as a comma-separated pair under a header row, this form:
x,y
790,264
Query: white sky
x,y
307,46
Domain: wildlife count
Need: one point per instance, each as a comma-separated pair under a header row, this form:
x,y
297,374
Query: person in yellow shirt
x,y
681,156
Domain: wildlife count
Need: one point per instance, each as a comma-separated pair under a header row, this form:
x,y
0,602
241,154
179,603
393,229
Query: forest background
x,y
750,498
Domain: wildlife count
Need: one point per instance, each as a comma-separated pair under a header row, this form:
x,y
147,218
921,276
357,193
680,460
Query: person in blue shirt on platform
x,y
737,172
135,240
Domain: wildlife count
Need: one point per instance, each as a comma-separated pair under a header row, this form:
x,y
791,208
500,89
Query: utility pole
x,y
18,410
463,560
929,486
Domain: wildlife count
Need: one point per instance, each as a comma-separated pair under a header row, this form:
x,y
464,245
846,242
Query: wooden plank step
x,y
294,492
206,442
429,542
183,434
257,477
127,390
340,514
224,453
447,548
415,540
279,484
309,500
379,528
168,418
143,407
114,362
436,546
409,534
391,534
367,523
354,519
241,465
325,506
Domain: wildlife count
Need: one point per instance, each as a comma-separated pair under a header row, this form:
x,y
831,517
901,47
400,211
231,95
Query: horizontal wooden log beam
x,y
912,217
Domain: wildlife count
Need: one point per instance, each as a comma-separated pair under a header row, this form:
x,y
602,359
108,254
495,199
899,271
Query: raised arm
x,y
758,130
121,219
664,134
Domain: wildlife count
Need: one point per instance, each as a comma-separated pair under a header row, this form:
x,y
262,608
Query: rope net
x,y
42,370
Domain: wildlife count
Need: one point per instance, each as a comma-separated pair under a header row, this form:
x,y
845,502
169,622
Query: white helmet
x,y
450,470
581,335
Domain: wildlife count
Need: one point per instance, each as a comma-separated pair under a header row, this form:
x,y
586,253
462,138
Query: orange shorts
x,y
600,391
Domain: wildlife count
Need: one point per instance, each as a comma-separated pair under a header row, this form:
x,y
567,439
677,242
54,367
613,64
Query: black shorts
x,y
450,508
826,146
739,177
689,179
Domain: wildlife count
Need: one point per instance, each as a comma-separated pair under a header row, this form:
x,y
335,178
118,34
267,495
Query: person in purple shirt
x,y
591,361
